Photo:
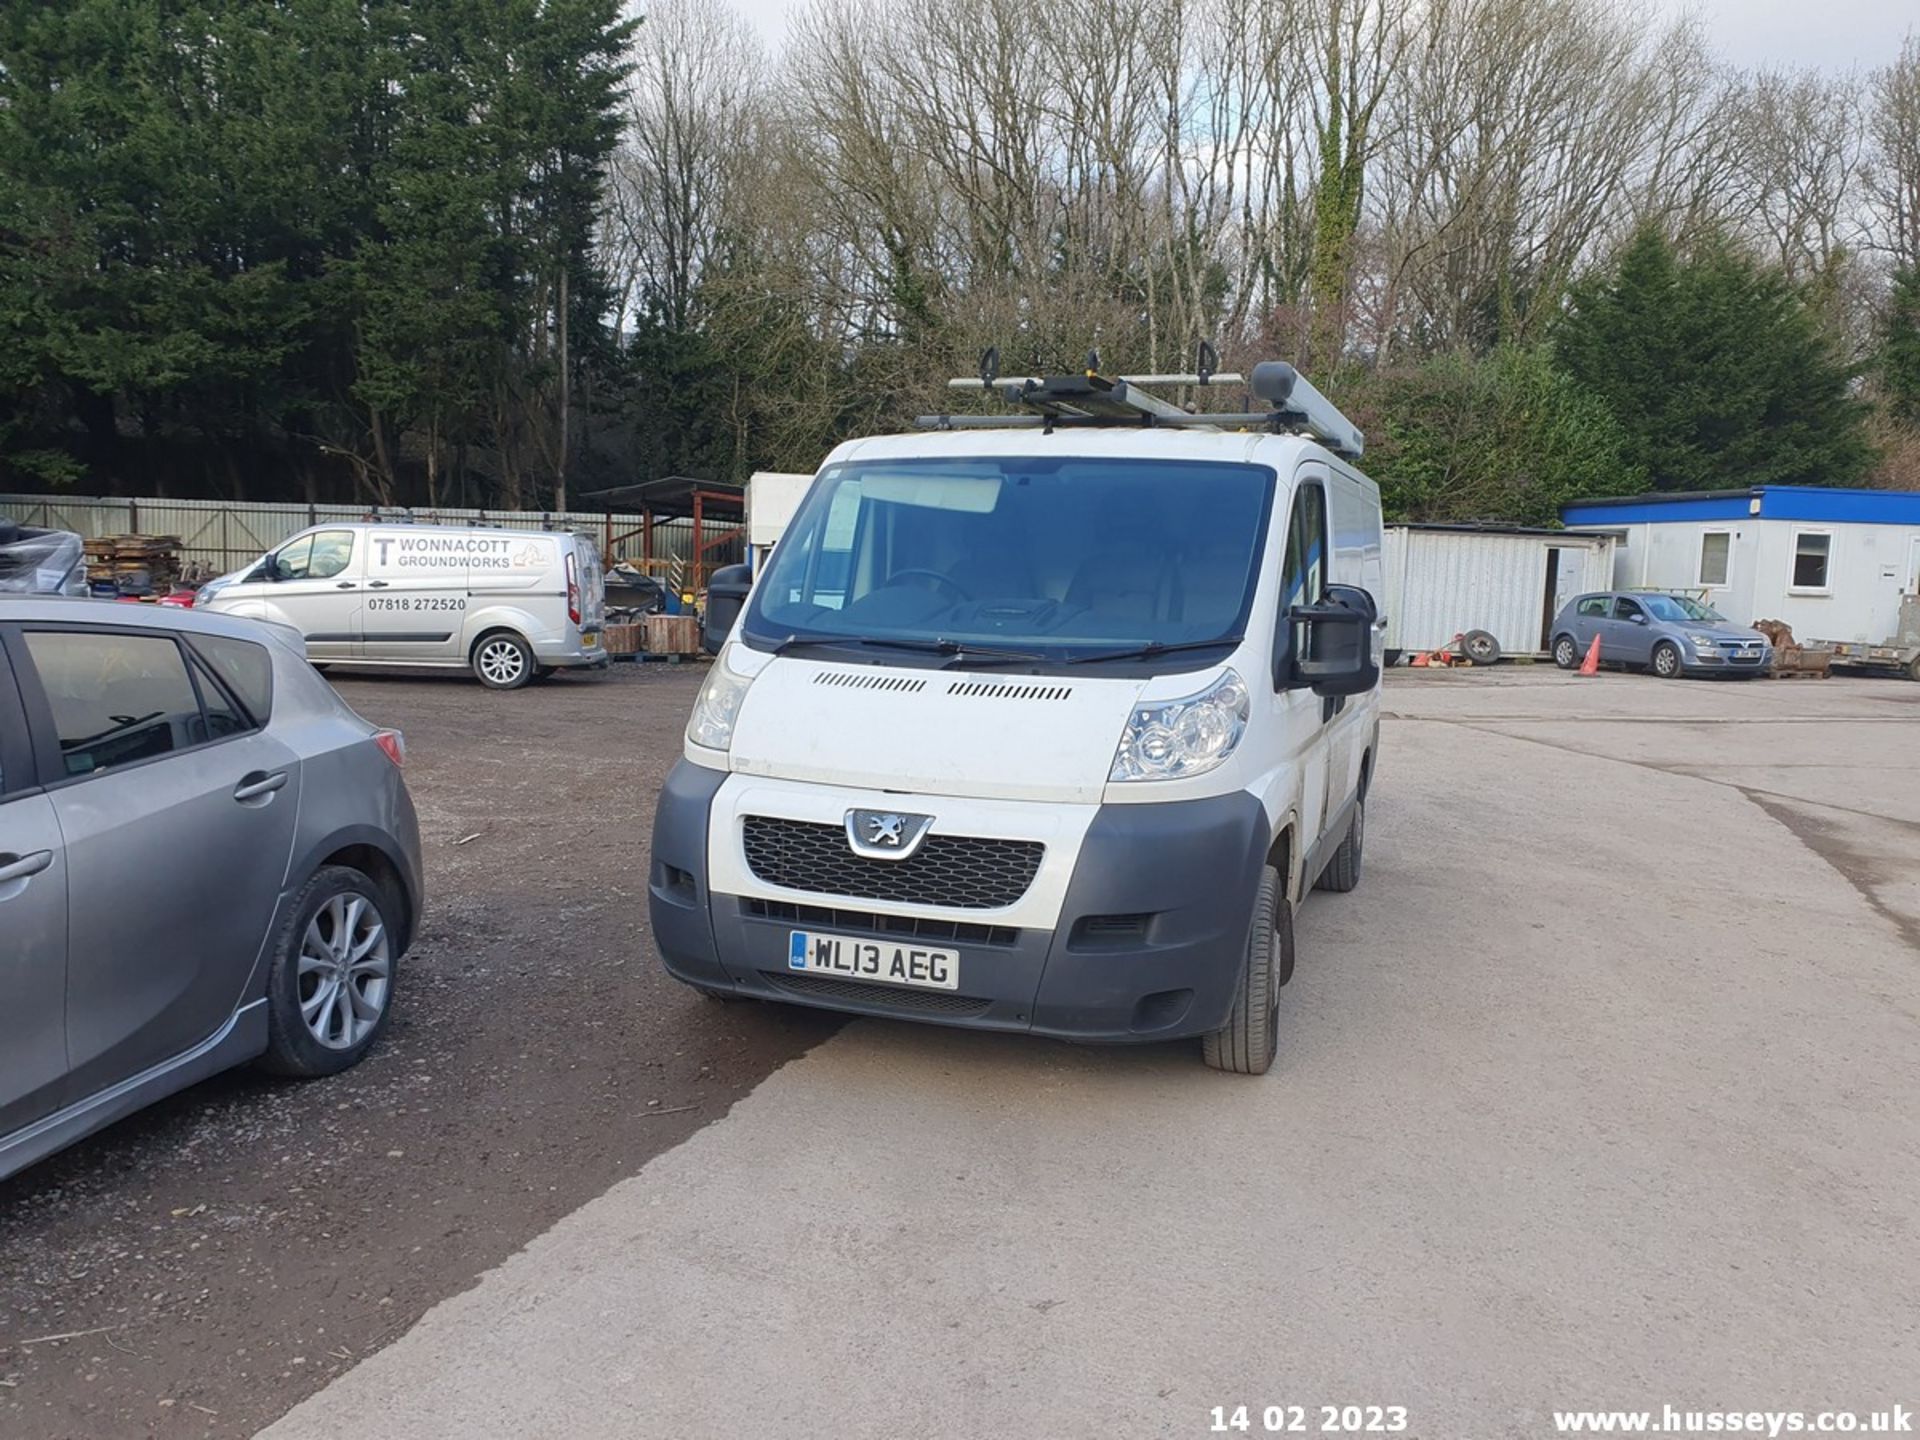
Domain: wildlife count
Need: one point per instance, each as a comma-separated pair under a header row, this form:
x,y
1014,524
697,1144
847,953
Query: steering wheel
x,y
933,575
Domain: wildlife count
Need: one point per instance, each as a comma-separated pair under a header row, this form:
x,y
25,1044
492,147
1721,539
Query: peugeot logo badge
x,y
886,834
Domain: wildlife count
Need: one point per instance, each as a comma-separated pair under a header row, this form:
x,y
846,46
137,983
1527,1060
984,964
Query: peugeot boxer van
x,y
510,605
1042,723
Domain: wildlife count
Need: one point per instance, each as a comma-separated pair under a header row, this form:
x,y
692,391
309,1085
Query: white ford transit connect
x,y
509,604
1042,723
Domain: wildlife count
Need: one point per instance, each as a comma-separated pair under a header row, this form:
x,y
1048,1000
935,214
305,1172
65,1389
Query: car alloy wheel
x,y
1666,661
346,969
502,663
1565,653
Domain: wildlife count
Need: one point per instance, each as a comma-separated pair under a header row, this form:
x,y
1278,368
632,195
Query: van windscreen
x,y
1056,558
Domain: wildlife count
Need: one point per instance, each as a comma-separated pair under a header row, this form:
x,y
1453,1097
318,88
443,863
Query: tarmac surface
x,y
1599,1092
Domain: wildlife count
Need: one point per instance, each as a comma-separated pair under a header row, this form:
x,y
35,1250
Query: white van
x,y
508,604
1043,724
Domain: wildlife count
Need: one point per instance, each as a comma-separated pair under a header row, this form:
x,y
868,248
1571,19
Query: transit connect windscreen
x,y
1055,558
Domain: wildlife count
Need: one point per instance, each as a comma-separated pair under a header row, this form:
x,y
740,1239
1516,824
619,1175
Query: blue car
x,y
1671,635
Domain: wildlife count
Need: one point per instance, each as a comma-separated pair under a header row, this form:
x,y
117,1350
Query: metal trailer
x,y
1900,650
1508,582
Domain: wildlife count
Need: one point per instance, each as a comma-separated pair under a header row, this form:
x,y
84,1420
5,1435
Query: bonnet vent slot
x,y
996,690
869,680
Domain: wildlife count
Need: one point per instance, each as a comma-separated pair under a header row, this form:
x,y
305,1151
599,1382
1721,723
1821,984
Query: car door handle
x,y
20,867
344,585
376,585
253,786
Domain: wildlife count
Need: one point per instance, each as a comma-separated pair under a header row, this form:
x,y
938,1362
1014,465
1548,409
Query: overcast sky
x,y
1835,34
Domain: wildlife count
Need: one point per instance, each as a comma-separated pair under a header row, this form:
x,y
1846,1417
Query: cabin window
x,y
1812,552
1715,547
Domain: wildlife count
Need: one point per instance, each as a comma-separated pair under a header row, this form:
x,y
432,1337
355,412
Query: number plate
x,y
887,962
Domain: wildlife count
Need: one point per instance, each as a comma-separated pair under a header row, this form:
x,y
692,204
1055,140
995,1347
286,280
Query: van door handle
x,y
252,787
376,585
21,867
344,585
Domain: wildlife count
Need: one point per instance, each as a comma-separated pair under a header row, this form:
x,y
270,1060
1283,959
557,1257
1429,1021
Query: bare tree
x,y
1893,168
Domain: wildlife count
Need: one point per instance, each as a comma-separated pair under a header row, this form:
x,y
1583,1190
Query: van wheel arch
x,y
512,679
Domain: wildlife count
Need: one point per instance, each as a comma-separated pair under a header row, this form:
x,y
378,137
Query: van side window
x,y
1595,606
332,550
116,699
1303,576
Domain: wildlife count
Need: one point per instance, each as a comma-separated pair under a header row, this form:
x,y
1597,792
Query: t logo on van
x,y
886,834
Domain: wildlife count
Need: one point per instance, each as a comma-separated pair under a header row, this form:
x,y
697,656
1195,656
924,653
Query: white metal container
x,y
1446,580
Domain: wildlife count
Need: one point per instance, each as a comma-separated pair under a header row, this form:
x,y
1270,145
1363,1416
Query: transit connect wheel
x,y
1566,654
1666,660
1247,1044
503,661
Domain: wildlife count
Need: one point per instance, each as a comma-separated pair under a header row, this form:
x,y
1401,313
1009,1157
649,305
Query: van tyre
x,y
331,976
1247,1044
1343,870
1666,660
503,661
1480,647
1566,654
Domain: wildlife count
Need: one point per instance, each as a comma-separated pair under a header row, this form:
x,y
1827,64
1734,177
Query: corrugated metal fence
x,y
224,536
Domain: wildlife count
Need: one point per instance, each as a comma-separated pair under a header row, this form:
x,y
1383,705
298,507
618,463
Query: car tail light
x,y
393,743
573,589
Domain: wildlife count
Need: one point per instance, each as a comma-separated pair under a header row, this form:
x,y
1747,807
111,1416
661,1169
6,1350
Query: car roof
x,y
56,610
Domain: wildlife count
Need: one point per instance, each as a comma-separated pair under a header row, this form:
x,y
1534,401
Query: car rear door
x,y
177,810
33,928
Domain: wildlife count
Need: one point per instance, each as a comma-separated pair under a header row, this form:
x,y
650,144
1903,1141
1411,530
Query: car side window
x,y
1594,606
1625,609
244,668
118,699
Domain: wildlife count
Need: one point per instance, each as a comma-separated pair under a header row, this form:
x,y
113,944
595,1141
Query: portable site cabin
x,y
1510,581
1842,567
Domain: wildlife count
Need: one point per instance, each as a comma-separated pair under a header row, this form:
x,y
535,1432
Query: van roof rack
x,y
1093,399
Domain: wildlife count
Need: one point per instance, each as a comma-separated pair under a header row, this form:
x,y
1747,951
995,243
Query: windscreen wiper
x,y
1156,648
961,650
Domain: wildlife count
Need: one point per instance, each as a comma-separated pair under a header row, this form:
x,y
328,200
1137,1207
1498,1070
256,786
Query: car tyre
x,y
1480,647
1666,660
342,931
1247,1043
1566,654
503,661
1343,870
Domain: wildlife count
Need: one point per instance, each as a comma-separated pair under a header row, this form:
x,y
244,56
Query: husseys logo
x,y
458,552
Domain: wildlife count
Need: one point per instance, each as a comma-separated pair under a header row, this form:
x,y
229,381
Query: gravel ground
x,y
227,1252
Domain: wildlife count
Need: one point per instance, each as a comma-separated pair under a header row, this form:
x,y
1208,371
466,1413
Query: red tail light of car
x,y
393,744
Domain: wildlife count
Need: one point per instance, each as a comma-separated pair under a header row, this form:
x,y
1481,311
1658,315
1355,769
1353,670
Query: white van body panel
x,y
424,595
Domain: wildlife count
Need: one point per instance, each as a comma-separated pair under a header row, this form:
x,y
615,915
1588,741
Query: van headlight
x,y
714,713
1172,739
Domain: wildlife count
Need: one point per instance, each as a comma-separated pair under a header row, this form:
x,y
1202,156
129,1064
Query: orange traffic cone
x,y
1591,665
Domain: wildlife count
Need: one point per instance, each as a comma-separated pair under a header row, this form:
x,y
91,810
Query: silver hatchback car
x,y
205,858
1672,635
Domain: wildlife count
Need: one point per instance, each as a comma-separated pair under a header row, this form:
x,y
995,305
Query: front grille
x,y
857,992
960,872
916,927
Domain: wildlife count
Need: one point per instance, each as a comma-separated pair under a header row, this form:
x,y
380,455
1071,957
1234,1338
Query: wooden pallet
x,y
1807,672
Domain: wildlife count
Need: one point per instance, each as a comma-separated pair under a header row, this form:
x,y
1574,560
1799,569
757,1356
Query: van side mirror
x,y
1337,657
727,591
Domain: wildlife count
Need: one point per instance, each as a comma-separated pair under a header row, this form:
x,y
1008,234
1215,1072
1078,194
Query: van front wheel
x,y
1247,1044
503,661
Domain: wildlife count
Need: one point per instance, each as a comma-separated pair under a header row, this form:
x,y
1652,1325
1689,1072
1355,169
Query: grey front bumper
x,y
1171,884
